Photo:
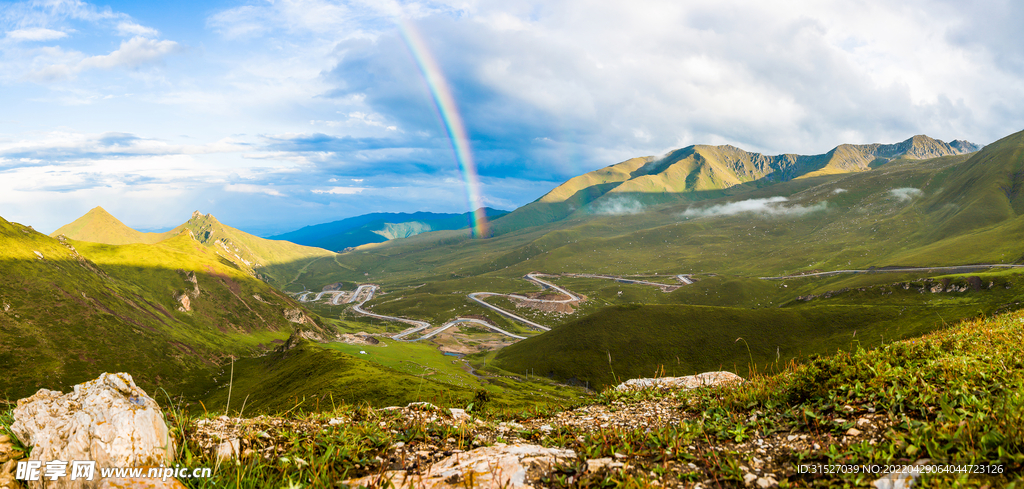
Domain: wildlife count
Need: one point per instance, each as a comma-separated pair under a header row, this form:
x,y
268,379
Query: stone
x,y
508,466
706,379
459,415
109,420
901,480
749,478
766,482
596,464
853,432
139,483
227,450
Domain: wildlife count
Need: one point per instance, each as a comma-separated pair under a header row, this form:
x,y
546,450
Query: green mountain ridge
x,y
168,312
99,226
703,172
956,209
273,261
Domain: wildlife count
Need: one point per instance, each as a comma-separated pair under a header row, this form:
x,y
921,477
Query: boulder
x,y
109,420
513,466
705,379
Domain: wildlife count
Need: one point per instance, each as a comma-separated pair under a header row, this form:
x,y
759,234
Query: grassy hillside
x,y
900,213
98,226
630,341
952,397
71,310
277,262
316,377
703,172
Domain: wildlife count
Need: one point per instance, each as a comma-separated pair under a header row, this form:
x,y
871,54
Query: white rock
x,y
901,480
109,420
596,464
766,482
459,414
749,478
501,465
227,450
705,379
139,483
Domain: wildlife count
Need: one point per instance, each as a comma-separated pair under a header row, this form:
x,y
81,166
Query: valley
x,y
746,276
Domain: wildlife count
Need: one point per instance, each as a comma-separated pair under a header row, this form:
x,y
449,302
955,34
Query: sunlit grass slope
x,y
277,262
98,226
71,310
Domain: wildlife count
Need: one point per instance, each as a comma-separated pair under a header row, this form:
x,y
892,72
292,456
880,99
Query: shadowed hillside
x,y
167,312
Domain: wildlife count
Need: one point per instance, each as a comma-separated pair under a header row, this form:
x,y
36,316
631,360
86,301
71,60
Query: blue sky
x,y
274,115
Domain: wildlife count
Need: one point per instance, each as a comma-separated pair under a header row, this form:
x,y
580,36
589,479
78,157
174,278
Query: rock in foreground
x,y
512,466
109,420
705,379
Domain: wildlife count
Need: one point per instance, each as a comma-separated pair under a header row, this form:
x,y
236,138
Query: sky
x,y
273,115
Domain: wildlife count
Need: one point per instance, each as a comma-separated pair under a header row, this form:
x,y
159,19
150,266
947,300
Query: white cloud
x,y
771,206
906,193
839,190
132,53
36,34
618,206
340,191
252,189
128,28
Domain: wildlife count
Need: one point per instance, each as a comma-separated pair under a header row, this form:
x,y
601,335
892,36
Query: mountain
x,y
378,228
701,172
98,226
878,208
273,261
168,312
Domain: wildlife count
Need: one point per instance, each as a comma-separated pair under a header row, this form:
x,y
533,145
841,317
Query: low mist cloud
x,y
618,206
906,193
771,206
839,190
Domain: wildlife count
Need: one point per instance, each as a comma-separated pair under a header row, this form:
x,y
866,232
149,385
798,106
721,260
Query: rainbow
x,y
449,113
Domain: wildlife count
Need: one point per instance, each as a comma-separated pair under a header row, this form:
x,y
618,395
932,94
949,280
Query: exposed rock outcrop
x,y
109,420
9,457
186,303
500,465
705,379
295,315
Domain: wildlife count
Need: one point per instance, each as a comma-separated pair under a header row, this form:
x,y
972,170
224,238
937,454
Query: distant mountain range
x,y
702,172
378,227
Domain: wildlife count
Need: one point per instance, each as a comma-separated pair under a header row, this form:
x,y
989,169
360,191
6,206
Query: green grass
x,y
316,377
414,359
953,396
683,339
70,317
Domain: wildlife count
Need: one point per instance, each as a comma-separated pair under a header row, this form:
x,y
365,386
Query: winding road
x,y
365,292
